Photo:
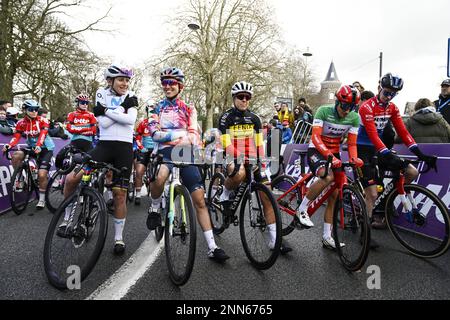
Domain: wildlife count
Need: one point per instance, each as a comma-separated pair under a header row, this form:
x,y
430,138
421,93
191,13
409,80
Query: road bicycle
x,y
178,223
252,221
350,227
415,215
24,181
81,241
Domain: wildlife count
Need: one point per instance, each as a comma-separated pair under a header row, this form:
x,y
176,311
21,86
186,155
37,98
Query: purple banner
x,y
6,169
438,182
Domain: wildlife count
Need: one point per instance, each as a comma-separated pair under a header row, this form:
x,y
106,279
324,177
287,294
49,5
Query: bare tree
x,y
39,53
236,41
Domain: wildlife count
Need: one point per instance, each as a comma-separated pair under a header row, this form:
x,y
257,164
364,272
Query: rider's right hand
x,y
336,163
6,148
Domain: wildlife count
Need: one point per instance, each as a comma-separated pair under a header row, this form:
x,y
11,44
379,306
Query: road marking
x,y
118,285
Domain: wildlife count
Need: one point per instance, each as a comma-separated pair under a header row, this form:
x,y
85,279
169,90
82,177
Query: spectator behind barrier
x,y
285,115
12,116
274,130
5,126
426,125
443,103
287,132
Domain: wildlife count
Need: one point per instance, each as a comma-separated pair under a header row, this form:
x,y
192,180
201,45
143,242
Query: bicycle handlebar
x,y
374,164
85,159
24,150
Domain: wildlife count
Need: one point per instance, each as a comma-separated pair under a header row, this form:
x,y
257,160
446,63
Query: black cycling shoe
x,y
119,247
284,249
218,255
153,220
137,201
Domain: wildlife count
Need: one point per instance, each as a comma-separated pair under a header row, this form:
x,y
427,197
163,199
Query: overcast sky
x,y
412,35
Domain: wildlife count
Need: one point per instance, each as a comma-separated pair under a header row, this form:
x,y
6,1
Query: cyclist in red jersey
x,y
375,114
82,124
35,129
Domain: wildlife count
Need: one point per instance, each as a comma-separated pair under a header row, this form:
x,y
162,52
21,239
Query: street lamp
x,y
193,26
306,54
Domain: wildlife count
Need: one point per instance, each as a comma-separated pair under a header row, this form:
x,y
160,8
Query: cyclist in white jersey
x,y
116,113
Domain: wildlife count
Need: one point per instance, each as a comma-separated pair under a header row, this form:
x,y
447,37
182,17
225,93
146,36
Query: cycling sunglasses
x,y
348,106
84,103
241,97
169,82
33,109
389,94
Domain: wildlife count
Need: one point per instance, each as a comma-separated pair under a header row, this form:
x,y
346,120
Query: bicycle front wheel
x,y
351,230
288,203
20,189
260,227
180,236
419,221
77,247
215,209
54,194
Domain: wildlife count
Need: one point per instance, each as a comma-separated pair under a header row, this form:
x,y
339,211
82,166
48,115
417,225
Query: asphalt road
x,y
309,272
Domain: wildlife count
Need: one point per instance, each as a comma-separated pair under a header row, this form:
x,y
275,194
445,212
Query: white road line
x,y
118,285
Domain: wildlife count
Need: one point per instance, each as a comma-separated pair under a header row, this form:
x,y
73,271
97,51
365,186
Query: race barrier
x,y
6,168
438,182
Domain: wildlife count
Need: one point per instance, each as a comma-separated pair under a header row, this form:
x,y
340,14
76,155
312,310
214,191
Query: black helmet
x,y
446,82
389,81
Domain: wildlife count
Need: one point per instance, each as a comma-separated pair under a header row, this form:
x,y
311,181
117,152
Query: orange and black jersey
x,y
241,133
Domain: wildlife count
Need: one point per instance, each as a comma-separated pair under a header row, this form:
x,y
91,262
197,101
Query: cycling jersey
x,y
329,129
35,131
374,117
174,123
116,124
241,133
82,124
143,138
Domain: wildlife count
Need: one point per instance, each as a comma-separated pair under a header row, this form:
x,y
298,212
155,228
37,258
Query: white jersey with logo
x,y
115,125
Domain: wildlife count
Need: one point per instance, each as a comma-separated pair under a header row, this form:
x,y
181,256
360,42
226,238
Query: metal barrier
x,y
302,133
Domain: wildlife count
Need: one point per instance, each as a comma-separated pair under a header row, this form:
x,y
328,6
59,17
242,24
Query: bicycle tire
x,y
413,229
19,200
177,230
356,232
259,232
58,277
291,201
54,195
215,210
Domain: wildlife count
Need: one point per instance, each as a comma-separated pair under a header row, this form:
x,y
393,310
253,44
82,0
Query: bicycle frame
x,y
340,179
175,181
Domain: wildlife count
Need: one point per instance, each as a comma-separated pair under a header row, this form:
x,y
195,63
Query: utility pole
x,y
381,65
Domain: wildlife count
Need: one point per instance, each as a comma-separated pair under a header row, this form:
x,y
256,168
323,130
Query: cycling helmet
x,y
81,97
172,73
114,71
30,103
348,95
389,81
241,87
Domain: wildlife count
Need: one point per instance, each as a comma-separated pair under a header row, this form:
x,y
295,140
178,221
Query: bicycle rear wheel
x,y
259,246
180,237
20,189
290,201
351,230
54,194
215,210
81,243
420,221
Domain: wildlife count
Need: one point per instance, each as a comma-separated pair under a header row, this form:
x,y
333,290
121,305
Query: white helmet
x,y
114,71
12,111
240,87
